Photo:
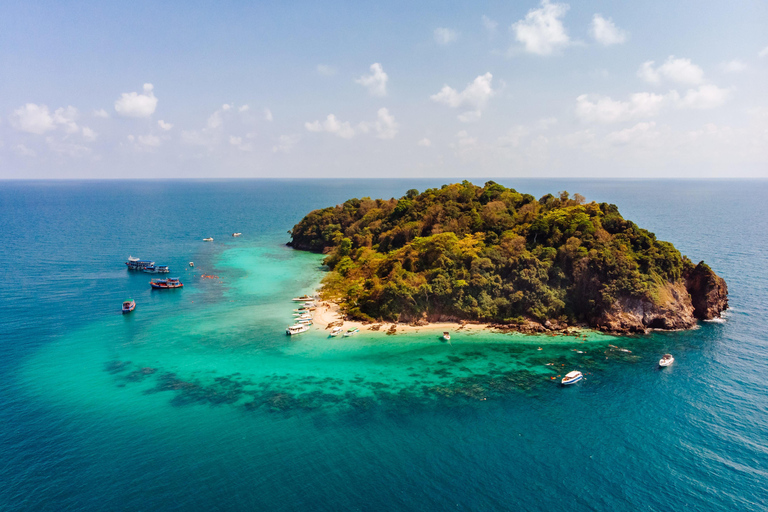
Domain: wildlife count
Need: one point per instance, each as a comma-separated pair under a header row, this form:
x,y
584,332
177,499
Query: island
x,y
464,253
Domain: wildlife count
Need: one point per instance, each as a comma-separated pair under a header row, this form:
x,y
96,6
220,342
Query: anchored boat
x,y
572,377
129,305
162,284
138,264
666,360
336,331
296,329
447,336
351,332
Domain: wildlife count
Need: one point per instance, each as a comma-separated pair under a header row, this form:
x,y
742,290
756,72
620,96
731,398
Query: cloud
x,y
285,143
216,120
602,109
332,125
681,71
471,116
268,115
326,70
239,144
101,113
132,104
445,35
88,134
243,108
763,52
641,132
23,150
513,136
475,95
542,31
376,82
67,148
37,119
165,126
605,32
489,24
151,141
704,97
425,142
32,118
734,66
386,126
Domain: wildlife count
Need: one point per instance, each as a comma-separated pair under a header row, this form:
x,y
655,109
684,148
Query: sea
x,y
198,401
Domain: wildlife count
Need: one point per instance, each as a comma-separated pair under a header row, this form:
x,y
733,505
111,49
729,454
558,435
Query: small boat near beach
x,y
335,332
191,263
447,336
296,329
666,360
129,305
304,321
162,284
236,234
138,264
351,332
303,298
572,378
209,239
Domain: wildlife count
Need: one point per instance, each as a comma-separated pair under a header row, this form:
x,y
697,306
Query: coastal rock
x,y
672,310
709,293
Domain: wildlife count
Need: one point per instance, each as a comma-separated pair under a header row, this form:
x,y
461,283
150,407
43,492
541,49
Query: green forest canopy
x,y
484,253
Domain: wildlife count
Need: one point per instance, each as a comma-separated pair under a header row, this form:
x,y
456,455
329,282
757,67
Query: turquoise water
x,y
198,401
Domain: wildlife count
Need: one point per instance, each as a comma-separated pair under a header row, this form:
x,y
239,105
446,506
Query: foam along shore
x,y
328,315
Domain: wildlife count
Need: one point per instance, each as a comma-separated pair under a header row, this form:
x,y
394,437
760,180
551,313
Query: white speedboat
x,y
447,336
236,234
303,298
351,332
209,239
304,321
336,331
572,377
296,329
666,360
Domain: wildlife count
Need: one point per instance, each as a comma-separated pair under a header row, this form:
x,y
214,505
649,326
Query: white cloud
x,y
465,140
165,126
641,132
705,97
326,70
23,150
243,108
475,94
101,113
605,32
149,140
286,143
546,123
216,120
542,31
763,52
734,66
489,24
471,116
132,104
226,107
268,115
445,35
239,144
67,148
32,118
602,109
376,82
89,134
332,125
425,142
66,118
681,71
386,126
513,136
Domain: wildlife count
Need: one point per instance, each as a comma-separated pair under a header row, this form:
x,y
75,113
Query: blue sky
x,y
398,89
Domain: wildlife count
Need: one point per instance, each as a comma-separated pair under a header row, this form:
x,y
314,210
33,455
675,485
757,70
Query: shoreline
x,y
328,314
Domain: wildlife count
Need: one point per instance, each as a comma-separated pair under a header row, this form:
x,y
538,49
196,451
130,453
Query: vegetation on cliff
x,y
490,254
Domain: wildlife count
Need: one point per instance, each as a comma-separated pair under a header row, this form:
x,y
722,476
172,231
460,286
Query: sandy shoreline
x,y
328,315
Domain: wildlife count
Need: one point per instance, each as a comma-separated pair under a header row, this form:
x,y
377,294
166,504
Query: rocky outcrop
x,y
709,293
671,310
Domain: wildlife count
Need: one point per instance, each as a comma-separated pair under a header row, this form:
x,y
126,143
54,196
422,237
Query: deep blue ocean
x,y
198,401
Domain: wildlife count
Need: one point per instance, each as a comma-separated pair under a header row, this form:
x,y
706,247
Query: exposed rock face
x,y
709,293
673,310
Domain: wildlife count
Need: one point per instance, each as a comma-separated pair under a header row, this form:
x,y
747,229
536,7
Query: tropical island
x,y
494,255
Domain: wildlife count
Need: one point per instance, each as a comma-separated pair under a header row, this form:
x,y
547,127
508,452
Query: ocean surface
x,y
198,400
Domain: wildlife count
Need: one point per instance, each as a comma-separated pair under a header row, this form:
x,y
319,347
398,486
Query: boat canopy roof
x,y
574,373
